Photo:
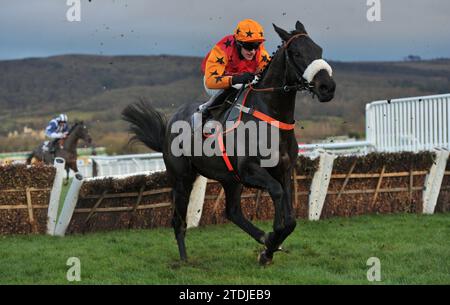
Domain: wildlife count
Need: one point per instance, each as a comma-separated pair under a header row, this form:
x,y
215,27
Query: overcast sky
x,y
36,28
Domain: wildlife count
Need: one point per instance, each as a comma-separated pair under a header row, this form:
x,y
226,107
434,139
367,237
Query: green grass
x,y
413,249
64,190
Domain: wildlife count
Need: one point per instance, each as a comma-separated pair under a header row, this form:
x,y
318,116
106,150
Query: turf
x,y
413,249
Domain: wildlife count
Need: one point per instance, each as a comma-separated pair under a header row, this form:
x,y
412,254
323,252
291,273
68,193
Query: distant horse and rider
x,y
296,66
63,143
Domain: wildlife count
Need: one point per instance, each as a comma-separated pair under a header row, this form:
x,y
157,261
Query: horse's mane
x,y
263,73
75,125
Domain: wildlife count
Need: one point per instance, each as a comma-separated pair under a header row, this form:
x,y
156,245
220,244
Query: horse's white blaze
x,y
314,68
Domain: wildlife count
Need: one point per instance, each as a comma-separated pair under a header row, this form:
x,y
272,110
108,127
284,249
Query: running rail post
x,y
196,200
319,185
433,181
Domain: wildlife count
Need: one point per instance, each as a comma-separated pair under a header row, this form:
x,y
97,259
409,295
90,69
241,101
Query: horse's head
x,y
304,60
81,131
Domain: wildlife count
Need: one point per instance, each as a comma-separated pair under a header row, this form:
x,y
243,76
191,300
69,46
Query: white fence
x,y
340,148
127,164
409,124
84,168
406,124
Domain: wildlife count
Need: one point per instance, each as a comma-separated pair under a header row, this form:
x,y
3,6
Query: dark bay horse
x,y
68,152
297,65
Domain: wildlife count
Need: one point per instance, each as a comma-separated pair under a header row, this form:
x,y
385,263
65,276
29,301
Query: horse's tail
x,y
147,124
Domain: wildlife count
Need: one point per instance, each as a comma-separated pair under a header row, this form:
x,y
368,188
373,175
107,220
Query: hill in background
x,y
97,88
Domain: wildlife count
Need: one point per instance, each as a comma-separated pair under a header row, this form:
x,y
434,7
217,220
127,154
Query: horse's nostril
x,y
333,87
323,88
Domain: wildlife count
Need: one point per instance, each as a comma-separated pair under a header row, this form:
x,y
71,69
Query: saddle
x,y
223,112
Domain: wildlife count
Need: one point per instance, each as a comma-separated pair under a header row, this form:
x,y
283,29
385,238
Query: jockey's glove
x,y
243,78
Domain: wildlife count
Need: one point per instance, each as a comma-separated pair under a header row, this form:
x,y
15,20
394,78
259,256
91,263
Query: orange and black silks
x,y
224,61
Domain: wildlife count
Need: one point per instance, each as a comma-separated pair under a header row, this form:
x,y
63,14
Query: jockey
x,y
235,59
57,129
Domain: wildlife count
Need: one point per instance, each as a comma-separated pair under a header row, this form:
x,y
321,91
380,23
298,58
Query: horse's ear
x,y
282,33
299,27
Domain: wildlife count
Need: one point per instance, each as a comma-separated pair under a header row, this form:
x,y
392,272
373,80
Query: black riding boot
x,y
216,100
52,146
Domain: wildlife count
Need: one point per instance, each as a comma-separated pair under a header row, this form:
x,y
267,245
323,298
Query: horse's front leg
x,y
284,229
70,166
284,221
66,180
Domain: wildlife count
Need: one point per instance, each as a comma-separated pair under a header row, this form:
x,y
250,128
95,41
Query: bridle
x,y
301,84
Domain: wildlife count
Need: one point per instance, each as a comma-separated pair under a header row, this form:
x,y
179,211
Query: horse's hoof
x,y
262,240
183,257
264,259
281,249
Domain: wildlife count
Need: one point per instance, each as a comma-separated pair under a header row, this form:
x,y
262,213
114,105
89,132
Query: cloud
x,y
39,27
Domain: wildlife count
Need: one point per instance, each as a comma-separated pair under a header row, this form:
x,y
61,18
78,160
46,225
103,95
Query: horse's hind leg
x,y
30,158
234,212
182,188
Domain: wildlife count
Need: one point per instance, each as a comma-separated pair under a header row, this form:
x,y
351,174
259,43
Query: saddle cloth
x,y
212,123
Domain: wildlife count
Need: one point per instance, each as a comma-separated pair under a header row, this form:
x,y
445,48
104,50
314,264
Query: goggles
x,y
249,46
